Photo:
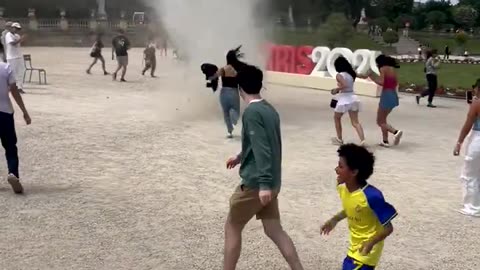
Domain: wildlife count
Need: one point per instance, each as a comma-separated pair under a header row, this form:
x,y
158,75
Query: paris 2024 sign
x,y
318,61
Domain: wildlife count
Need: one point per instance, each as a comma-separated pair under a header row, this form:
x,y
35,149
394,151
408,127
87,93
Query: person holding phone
x,y
470,175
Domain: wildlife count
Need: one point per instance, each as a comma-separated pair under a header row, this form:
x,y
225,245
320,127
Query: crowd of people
x,y
120,47
368,214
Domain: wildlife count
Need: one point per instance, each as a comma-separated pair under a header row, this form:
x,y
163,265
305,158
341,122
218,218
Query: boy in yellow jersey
x,y
369,216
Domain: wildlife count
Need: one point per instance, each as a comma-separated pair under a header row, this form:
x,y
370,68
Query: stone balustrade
x,y
63,23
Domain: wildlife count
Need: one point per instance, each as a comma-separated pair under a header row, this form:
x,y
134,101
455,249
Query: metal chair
x,y
27,58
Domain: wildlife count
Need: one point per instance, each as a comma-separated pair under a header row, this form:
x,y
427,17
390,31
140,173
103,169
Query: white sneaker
x,y
398,137
466,213
15,183
337,141
384,144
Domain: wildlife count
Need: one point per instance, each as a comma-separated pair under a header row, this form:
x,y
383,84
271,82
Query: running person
x,y
388,80
150,58
431,67
96,53
8,135
229,95
347,101
260,170
471,170
120,46
369,216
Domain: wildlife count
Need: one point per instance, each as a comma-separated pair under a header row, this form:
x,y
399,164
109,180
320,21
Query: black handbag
x,y
333,103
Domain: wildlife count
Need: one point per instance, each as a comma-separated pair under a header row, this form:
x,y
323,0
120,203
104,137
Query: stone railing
x,y
32,23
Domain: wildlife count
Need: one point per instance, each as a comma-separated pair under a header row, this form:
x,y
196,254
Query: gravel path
x,y
131,176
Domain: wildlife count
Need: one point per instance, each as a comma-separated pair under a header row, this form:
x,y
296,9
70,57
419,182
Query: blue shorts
x,y
389,99
352,264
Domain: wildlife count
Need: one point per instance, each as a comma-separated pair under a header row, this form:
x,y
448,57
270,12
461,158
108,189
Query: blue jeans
x,y
9,142
230,101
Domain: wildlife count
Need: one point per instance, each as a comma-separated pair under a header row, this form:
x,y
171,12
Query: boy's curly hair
x,y
358,158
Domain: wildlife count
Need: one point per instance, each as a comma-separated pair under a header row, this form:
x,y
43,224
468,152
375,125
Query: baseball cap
x,y
16,25
8,24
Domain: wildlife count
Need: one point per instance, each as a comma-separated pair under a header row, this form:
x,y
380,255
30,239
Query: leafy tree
x,y
383,22
338,30
436,18
466,16
393,8
390,37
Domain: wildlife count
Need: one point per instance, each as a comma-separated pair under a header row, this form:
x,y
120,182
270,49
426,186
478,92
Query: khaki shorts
x,y
245,203
122,61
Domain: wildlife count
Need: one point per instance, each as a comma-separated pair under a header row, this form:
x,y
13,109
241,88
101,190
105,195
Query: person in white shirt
x,y
8,25
8,136
14,55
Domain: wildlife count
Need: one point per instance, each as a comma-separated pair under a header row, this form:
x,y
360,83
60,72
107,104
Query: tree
x,y
461,38
393,8
436,19
466,16
383,22
338,30
390,37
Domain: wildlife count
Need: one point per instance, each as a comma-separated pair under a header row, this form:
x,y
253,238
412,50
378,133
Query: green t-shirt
x,y
261,156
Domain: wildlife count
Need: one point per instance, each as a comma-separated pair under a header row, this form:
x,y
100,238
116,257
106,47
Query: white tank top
x,y
349,80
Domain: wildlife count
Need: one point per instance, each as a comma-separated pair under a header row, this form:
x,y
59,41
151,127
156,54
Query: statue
x,y
363,17
102,14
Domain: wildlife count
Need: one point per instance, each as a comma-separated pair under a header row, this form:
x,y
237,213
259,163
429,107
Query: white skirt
x,y
347,102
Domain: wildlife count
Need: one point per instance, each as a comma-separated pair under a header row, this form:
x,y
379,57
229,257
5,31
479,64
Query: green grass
x,y
439,43
449,75
317,38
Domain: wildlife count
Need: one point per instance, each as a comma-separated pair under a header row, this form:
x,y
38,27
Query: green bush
x,y
390,37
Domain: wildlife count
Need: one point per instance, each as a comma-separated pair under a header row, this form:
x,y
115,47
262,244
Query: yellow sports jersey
x,y
367,214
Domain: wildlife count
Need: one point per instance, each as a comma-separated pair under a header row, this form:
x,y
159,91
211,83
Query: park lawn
x,y
439,43
317,38
449,75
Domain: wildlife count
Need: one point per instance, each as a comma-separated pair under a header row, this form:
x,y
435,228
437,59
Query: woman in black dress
x,y
96,53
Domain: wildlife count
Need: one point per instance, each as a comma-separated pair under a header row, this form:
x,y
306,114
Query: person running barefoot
x,y
8,136
260,170
347,101
369,216
470,175
388,98
96,54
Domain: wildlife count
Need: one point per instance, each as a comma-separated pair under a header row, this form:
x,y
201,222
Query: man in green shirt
x,y
260,170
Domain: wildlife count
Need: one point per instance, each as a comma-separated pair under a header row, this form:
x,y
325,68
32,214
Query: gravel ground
x,y
132,176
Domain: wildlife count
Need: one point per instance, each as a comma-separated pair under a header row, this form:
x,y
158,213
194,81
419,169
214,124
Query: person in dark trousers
x,y
120,46
96,54
8,135
446,56
261,173
150,57
431,67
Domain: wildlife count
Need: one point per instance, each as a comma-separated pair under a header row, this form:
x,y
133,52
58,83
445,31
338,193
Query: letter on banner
x,y
319,56
271,51
303,63
361,61
285,59
334,54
